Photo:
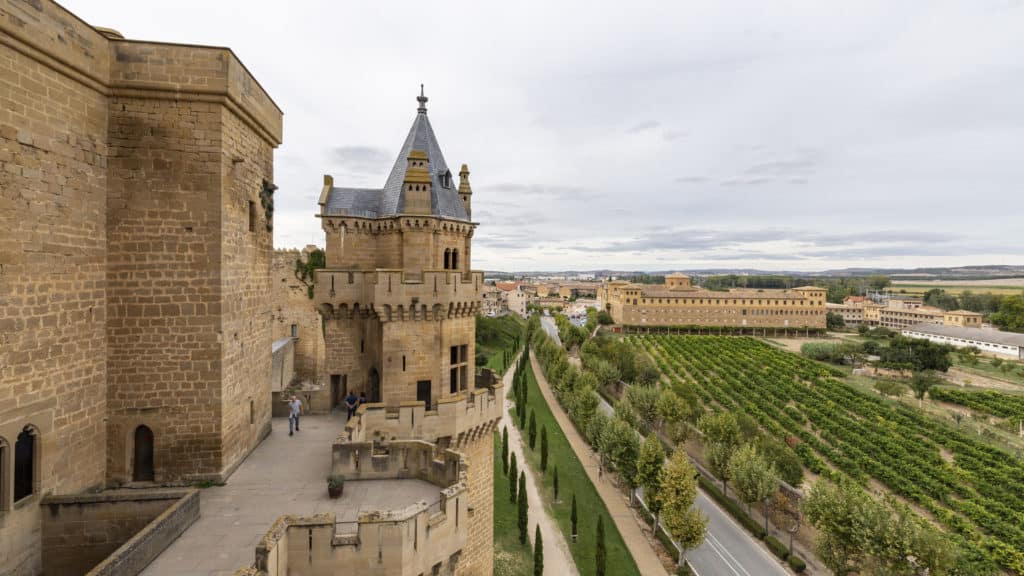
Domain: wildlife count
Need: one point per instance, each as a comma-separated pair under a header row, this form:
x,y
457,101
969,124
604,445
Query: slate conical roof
x,y
390,201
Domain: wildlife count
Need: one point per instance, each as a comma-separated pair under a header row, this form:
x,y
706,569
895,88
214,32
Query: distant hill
x,y
986,272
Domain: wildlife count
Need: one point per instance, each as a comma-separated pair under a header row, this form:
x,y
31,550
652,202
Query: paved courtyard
x,y
284,475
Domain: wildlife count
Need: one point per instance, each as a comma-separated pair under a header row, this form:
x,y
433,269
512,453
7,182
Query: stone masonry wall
x,y
292,305
53,147
246,254
478,555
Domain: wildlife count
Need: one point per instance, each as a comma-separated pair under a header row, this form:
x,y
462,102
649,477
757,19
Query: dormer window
x,y
446,179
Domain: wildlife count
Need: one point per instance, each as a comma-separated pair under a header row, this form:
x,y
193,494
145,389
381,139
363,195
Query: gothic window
x,y
455,259
459,366
447,258
25,463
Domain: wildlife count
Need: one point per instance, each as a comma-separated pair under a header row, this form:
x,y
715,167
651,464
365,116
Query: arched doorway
x,y
142,470
373,394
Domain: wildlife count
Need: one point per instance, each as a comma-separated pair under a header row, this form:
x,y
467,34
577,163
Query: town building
x,y
899,313
678,303
135,252
399,302
1007,344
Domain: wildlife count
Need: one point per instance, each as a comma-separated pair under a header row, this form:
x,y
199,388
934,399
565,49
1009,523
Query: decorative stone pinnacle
x,y
422,100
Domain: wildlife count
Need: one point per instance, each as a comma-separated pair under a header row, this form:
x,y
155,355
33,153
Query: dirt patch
x,y
964,378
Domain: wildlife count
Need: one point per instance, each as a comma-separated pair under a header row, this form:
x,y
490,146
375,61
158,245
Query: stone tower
x,y
399,302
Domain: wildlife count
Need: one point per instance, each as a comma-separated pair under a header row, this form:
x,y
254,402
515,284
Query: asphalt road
x,y
728,549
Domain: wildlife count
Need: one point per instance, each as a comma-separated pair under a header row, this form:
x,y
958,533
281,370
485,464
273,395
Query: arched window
x,y
455,259
447,258
25,453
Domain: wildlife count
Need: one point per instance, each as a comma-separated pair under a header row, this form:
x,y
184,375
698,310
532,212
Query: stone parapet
x,y
454,417
393,295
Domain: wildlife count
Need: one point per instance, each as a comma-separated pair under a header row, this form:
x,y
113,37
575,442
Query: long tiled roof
x,y
390,200
976,334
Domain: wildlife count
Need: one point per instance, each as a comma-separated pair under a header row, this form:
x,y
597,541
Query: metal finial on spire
x,y
422,100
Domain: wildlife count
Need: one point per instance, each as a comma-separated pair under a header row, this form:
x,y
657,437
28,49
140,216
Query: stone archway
x,y
142,464
373,386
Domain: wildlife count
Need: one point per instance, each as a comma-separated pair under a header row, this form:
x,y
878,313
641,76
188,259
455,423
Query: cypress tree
x,y
524,526
533,429
573,517
601,555
522,414
504,450
538,553
513,473
556,482
544,448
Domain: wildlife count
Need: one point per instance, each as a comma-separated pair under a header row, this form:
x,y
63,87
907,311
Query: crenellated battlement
x,y
459,417
394,295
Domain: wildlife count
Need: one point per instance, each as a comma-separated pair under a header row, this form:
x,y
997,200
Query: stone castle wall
x,y
293,306
126,169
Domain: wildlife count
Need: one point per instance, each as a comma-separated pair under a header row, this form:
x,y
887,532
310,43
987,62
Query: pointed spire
x,y
423,101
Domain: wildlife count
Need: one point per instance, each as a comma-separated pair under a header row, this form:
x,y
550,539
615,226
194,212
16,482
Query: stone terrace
x,y
284,475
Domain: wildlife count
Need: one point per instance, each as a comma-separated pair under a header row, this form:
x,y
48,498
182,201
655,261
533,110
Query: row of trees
x,y
669,491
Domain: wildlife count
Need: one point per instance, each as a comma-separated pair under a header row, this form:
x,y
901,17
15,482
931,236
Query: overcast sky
x,y
652,135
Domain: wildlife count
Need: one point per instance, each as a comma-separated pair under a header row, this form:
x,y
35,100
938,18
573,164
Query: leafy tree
x,y
879,282
595,429
678,491
673,412
533,429
721,438
544,448
600,554
513,477
620,444
754,478
648,471
644,399
1011,314
888,387
538,553
720,427
786,461
604,318
834,321
749,428
523,506
839,514
504,450
922,382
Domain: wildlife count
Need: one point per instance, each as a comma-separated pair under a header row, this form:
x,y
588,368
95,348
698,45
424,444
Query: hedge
x,y
777,548
797,564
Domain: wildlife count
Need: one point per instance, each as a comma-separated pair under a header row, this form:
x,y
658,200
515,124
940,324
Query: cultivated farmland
x,y
973,490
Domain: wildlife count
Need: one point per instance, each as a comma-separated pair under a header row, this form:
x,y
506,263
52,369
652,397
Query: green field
x,y
510,557
973,490
573,479
494,336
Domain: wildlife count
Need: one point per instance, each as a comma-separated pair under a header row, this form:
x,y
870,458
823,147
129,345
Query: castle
x,y
136,204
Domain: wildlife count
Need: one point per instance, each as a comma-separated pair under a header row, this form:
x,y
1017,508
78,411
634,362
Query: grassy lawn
x,y
955,289
985,368
510,557
494,336
572,478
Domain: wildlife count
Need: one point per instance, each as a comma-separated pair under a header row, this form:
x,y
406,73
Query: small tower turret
x,y
465,191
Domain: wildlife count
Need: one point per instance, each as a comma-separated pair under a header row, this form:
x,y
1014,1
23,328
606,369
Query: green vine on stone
x,y
305,271
267,201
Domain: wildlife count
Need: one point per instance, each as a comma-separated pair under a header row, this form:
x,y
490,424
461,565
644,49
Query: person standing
x,y
294,409
351,402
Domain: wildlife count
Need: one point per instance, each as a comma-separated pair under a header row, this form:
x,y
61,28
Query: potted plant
x,y
335,485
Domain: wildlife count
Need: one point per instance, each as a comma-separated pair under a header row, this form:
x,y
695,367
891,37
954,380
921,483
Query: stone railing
x,y
396,295
452,418
400,459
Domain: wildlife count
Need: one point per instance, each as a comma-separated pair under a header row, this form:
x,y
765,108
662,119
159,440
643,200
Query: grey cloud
x,y
691,180
644,126
362,159
670,135
799,164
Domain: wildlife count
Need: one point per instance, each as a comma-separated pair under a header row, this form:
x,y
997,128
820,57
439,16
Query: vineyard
x,y
988,402
975,491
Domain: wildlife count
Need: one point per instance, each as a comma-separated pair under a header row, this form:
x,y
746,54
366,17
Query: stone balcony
x,y
392,295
